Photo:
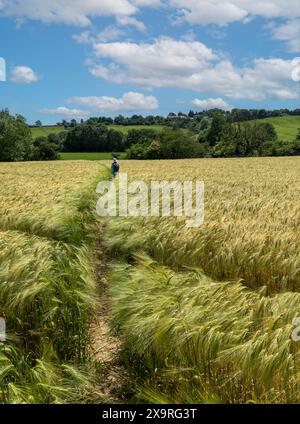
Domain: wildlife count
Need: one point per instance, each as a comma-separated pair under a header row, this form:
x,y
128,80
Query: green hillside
x,y
125,129
44,131
89,156
286,126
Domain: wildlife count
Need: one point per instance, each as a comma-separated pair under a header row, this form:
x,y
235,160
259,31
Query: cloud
x,y
207,104
23,75
2,69
110,33
128,20
204,12
129,102
208,12
85,38
152,3
151,62
189,36
66,112
290,33
71,12
220,12
191,65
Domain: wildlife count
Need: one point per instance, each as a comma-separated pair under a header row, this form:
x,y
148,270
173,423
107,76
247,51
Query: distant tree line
x,y
93,136
17,144
221,138
183,120
168,144
214,135
217,137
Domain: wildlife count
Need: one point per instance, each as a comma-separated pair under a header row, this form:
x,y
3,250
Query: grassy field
x,y
208,312
88,156
125,129
47,287
286,126
44,131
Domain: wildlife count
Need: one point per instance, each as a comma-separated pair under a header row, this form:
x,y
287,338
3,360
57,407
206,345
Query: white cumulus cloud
x,y
290,33
129,102
71,12
150,64
223,12
23,75
128,20
152,3
207,104
191,65
66,112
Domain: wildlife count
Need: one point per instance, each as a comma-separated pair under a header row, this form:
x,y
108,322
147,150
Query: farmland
x,y
88,156
208,312
125,129
47,288
204,314
286,126
46,130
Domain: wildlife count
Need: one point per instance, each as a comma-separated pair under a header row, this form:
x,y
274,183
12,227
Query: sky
x,y
70,59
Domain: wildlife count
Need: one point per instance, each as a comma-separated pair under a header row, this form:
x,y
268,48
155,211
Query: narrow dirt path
x,y
105,346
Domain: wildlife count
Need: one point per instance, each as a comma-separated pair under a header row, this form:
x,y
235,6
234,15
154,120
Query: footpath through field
x,y
106,347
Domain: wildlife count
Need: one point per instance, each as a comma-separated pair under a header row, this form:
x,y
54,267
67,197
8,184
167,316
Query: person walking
x,y
115,167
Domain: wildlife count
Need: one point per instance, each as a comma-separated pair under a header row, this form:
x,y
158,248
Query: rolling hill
x,y
286,126
44,131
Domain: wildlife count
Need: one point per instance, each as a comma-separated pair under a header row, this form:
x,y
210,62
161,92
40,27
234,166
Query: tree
x,y
216,128
120,120
247,139
93,137
169,144
38,123
15,138
283,148
44,149
140,137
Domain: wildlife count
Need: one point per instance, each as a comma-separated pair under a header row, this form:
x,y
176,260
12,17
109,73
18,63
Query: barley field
x,y
252,218
47,285
45,198
207,313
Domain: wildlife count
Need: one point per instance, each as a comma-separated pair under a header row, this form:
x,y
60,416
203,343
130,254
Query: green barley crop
x,y
47,286
252,218
206,314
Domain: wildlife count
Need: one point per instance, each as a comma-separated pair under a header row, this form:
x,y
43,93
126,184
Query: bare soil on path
x,y
106,347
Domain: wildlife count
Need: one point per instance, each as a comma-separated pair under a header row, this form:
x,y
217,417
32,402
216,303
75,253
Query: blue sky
x,y
73,59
